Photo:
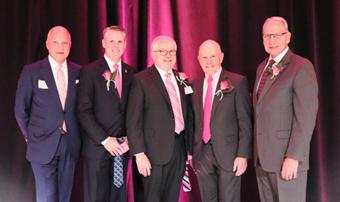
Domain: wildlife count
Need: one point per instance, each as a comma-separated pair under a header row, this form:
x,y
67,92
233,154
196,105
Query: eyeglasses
x,y
275,36
166,52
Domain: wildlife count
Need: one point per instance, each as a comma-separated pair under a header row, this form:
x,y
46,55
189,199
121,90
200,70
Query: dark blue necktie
x,y
118,172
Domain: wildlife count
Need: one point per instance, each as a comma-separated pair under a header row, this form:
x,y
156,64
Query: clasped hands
x,y
116,149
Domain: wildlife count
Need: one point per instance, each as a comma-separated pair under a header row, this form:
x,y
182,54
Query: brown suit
x,y
230,125
285,116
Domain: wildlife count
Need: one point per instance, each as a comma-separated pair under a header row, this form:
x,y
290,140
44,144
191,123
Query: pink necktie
x,y
207,112
175,103
62,89
61,85
118,80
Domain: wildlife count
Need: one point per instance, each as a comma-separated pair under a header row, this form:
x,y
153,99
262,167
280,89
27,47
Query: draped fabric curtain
x,y
236,25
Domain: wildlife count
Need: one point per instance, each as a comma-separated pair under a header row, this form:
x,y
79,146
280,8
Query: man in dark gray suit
x,y
222,142
285,100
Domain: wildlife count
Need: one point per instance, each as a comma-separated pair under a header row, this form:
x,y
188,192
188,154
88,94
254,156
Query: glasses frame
x,y
274,36
166,52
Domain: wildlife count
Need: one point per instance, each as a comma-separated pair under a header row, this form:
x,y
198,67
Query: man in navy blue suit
x,y
46,114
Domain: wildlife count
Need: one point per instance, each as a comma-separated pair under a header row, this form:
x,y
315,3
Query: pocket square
x,y
77,81
42,84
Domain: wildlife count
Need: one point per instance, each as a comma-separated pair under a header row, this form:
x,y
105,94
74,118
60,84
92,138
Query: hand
x,y
124,146
240,166
289,168
113,147
143,164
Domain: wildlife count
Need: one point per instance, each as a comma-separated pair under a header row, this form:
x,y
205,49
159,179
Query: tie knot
x,y
168,75
115,66
271,62
210,79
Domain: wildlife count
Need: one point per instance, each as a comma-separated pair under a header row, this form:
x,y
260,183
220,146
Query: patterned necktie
x,y
186,181
62,90
207,112
118,80
175,103
264,78
118,172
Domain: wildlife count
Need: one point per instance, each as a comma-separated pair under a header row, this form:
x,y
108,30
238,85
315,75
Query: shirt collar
x,y
279,57
111,63
54,64
216,75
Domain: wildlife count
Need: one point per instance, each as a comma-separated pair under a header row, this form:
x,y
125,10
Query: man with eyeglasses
x,y
158,123
285,100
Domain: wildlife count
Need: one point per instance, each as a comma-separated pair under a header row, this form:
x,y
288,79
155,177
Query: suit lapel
x,y
216,101
105,67
156,77
270,81
182,94
51,83
258,74
72,77
125,81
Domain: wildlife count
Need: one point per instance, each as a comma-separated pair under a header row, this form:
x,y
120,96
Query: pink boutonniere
x,y
275,70
109,77
183,80
225,87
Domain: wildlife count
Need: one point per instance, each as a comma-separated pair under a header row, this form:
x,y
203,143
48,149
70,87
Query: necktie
x,y
264,78
118,80
186,181
175,103
62,90
207,112
61,85
118,172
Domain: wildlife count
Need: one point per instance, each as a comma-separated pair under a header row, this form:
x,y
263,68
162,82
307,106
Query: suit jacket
x,y
285,114
230,123
150,119
39,112
101,112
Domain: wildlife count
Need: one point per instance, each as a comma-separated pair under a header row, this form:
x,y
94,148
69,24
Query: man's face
x,y
58,44
210,58
164,55
275,37
114,44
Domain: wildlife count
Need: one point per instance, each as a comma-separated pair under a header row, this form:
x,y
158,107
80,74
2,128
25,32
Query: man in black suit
x,y
45,109
223,134
102,98
157,123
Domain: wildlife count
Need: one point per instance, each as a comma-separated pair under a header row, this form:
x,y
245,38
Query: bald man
x,y
158,123
222,142
285,100
45,112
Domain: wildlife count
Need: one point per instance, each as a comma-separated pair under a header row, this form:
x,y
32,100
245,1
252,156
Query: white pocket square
x,y
77,81
42,84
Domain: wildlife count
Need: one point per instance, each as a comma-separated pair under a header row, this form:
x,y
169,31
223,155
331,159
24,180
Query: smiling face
x,y
164,52
114,44
210,57
58,43
276,36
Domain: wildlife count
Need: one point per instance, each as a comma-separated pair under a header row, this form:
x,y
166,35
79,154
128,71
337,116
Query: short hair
x,y
162,38
210,42
114,28
278,19
57,28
